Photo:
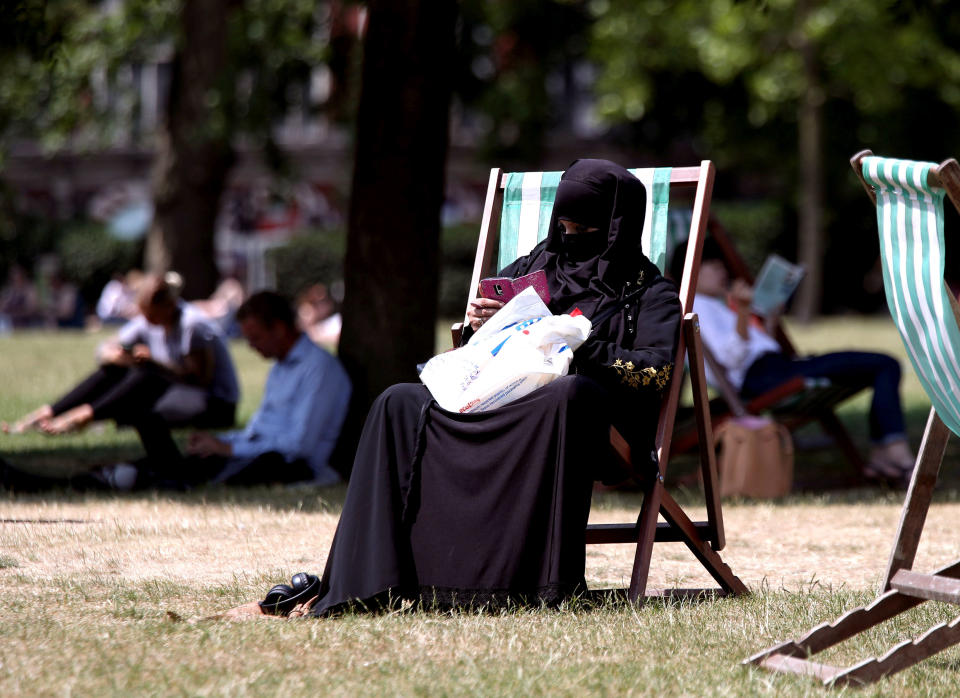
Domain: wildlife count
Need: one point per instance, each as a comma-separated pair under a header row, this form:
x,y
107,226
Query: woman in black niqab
x,y
481,508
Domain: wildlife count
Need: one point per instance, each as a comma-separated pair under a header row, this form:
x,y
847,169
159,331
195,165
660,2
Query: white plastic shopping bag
x,y
519,349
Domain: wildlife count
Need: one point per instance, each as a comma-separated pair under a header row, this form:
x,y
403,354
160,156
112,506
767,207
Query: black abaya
x,y
484,507
426,515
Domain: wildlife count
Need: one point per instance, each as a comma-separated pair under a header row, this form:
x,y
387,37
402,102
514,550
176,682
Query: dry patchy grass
x,y
88,582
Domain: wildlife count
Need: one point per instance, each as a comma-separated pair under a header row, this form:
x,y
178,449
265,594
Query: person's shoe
x,y
121,477
887,472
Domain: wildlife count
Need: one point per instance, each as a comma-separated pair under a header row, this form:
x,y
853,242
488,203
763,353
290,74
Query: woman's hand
x,y
481,310
205,445
741,293
113,353
141,353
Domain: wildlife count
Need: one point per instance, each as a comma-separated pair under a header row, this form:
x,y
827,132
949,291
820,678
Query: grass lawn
x,y
89,582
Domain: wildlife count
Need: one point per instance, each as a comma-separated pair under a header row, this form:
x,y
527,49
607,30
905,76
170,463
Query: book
x,y
776,283
503,288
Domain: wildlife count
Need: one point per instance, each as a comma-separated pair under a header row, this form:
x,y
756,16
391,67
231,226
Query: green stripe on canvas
x,y
661,206
910,224
510,219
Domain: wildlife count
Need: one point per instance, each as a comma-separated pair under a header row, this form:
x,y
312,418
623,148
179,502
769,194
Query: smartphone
x,y
503,288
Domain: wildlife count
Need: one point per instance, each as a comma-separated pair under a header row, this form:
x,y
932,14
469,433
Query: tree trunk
x,y
194,152
810,240
390,274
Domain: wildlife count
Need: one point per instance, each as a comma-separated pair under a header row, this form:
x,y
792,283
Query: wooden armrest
x,y
456,332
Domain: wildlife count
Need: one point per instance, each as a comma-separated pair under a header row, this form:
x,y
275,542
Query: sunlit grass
x,y
89,581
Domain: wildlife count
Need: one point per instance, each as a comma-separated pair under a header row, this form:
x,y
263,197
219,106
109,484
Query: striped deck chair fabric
x,y
528,201
910,221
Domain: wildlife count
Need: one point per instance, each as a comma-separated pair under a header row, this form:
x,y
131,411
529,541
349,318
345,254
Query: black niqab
x,y
588,270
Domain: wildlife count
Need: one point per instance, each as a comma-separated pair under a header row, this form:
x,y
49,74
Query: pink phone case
x,y
503,289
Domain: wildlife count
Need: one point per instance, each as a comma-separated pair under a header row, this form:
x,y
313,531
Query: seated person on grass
x,y
755,362
167,367
292,435
289,438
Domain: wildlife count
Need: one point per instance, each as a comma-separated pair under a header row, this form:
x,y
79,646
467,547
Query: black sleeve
x,y
634,354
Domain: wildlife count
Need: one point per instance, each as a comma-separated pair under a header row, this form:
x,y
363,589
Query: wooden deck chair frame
x,y
794,403
703,538
903,588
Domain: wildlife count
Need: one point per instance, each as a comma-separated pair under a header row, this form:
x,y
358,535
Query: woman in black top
x,y
467,508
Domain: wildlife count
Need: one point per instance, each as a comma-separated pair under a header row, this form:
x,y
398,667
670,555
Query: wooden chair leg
x,y
917,501
708,456
707,556
647,531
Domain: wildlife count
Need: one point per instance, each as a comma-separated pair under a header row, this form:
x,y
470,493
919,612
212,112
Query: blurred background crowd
x,y
226,141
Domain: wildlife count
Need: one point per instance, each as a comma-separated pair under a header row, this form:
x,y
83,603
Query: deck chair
x,y
516,216
909,197
795,403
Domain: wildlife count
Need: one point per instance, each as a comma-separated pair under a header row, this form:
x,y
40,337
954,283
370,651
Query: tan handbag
x,y
755,457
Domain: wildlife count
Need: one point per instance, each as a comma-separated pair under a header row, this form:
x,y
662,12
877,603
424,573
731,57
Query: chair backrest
x,y
528,201
517,213
909,202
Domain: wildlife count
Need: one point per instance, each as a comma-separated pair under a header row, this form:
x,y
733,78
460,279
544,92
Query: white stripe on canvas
x,y
529,213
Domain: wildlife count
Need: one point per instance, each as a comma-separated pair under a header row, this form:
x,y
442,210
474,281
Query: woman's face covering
x,y
580,242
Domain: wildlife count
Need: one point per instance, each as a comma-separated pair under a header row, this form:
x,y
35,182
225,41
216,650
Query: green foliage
x,y
90,255
317,256
84,93
23,238
458,247
753,225
865,52
313,257
512,55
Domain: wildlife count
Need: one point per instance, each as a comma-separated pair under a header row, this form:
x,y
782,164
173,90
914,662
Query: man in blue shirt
x,y
290,437
293,433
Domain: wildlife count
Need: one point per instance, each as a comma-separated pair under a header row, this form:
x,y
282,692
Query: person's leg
x,y
880,371
186,472
91,387
136,391
891,459
180,405
189,405
94,386
272,467
163,456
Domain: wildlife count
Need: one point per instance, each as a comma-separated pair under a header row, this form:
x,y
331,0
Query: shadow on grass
x,y
822,475
306,499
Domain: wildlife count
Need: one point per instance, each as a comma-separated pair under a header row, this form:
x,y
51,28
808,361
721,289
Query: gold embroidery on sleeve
x,y
630,375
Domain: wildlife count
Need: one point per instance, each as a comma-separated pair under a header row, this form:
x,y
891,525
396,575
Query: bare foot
x,y
71,420
34,420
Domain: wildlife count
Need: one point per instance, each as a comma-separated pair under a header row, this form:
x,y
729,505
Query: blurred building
x,y
112,183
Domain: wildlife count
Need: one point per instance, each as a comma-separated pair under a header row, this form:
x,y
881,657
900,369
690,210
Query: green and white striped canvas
x,y
528,201
910,221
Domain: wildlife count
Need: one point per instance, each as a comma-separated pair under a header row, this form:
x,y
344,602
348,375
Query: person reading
x,y
446,508
754,362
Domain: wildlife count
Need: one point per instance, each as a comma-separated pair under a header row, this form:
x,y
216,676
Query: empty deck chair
x,y
909,197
